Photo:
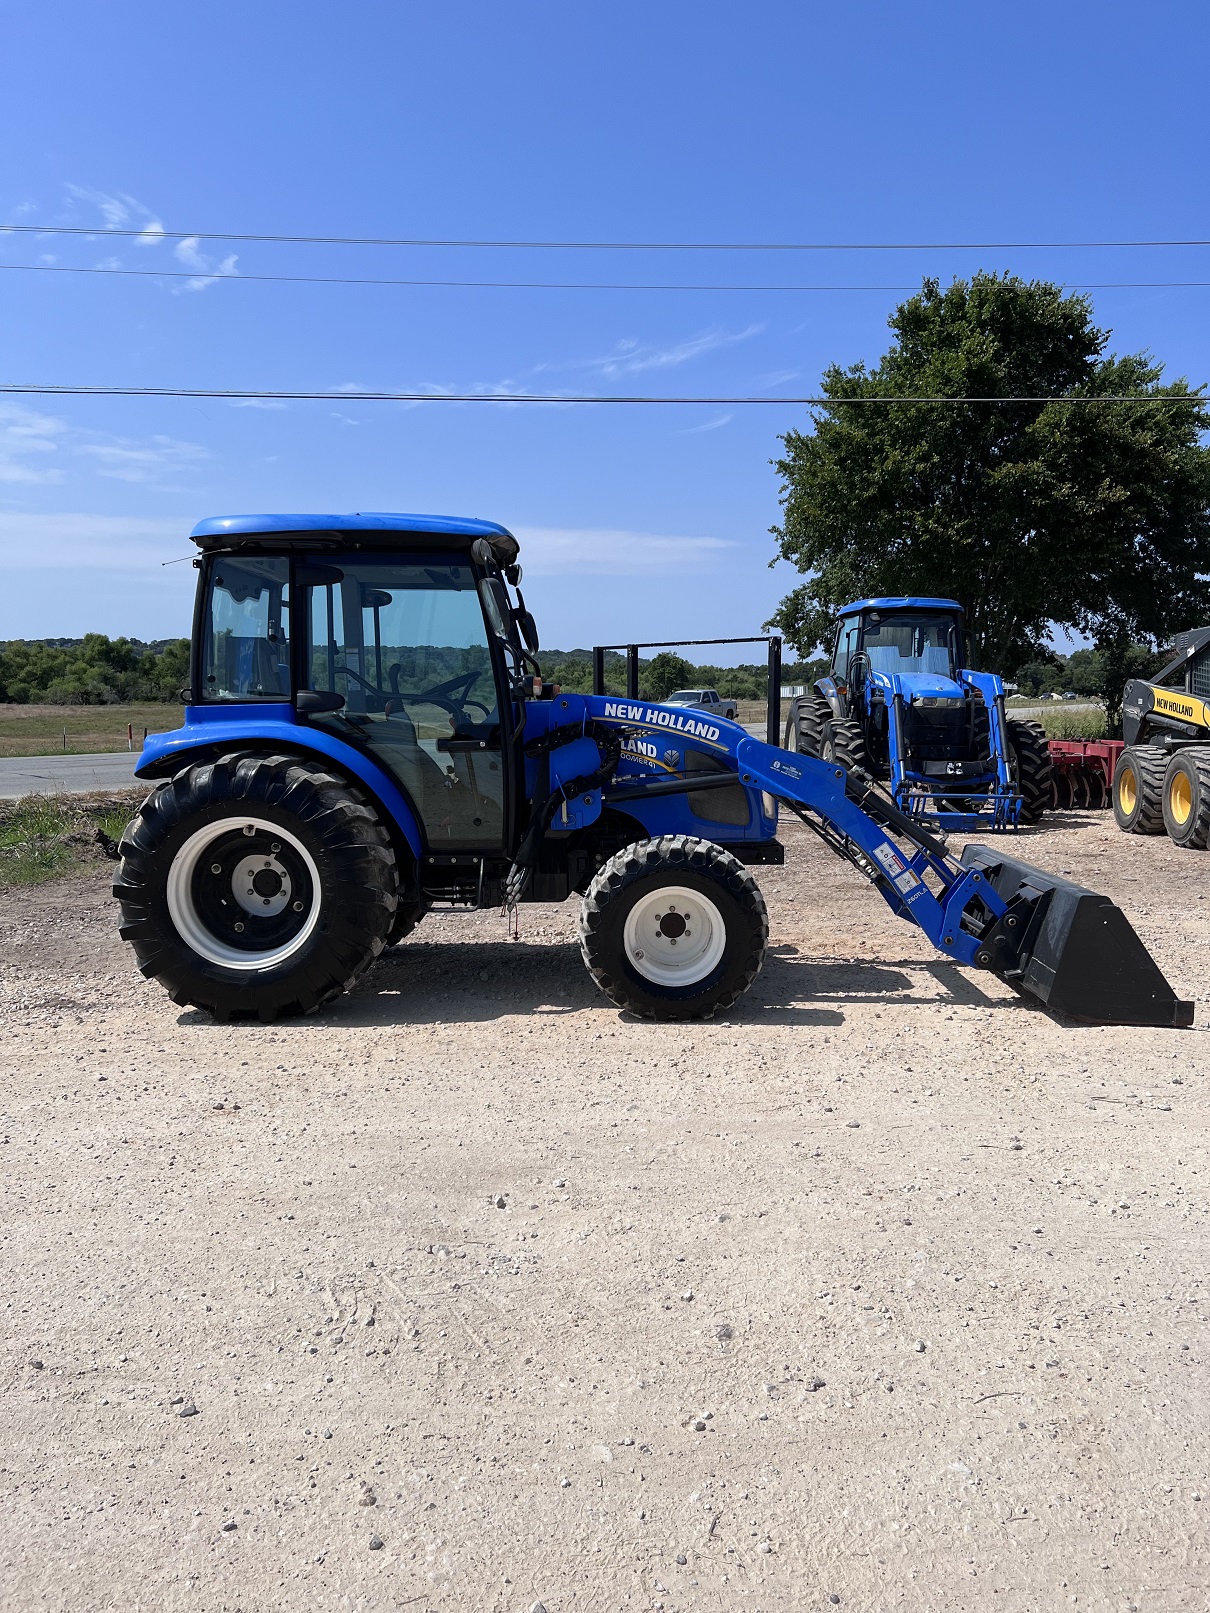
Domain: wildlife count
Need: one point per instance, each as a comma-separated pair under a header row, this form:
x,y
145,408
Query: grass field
x,y
39,730
44,837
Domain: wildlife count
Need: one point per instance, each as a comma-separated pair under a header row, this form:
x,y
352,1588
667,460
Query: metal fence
x,y
773,721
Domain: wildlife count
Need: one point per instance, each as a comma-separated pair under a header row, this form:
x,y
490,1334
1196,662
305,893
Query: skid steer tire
x,y
1138,790
844,743
1032,767
674,928
1186,798
256,886
805,725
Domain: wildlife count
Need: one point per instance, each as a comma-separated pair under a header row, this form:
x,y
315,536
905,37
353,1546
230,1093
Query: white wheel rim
x,y
674,936
191,926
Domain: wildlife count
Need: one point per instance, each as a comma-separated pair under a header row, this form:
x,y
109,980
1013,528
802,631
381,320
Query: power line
x,y
13,388
156,233
538,285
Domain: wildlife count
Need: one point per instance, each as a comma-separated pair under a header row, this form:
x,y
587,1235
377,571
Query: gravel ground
x,y
887,1291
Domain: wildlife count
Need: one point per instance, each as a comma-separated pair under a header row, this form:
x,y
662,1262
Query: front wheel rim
x,y
1127,792
219,910
1180,798
674,936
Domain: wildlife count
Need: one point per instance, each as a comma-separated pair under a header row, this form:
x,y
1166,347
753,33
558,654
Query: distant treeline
x,y
93,670
100,671
663,673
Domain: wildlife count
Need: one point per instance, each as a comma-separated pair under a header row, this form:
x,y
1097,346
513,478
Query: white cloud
x,y
108,263
26,438
608,552
153,234
129,461
631,357
207,272
81,541
710,425
255,403
119,211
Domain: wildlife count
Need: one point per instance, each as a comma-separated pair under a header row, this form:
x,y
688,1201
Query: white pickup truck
x,y
707,699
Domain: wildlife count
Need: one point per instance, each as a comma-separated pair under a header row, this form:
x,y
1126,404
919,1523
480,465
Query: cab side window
x,y
846,645
1199,674
246,642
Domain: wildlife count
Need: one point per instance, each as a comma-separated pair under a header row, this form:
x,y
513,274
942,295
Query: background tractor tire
x,y
1138,790
1186,798
256,886
674,928
805,724
844,743
1029,756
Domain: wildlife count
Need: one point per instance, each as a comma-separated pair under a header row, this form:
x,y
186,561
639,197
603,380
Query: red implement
x,y
1082,775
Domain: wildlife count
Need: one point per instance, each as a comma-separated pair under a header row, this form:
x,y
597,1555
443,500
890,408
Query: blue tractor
x,y
368,738
899,703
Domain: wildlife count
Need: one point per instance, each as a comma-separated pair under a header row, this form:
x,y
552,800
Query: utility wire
x,y
534,285
13,388
158,234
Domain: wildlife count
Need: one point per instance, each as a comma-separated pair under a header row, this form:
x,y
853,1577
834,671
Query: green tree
x,y
664,673
1092,516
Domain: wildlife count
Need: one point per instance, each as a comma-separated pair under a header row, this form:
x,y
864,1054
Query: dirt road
x,y
886,1292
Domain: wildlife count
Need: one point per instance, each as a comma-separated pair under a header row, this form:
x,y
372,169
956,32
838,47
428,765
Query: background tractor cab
x,y
899,703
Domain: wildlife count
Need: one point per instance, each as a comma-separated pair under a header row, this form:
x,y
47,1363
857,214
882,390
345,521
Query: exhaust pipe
x,y
1075,950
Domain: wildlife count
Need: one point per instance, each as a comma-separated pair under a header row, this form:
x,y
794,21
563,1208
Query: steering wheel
x,y
439,694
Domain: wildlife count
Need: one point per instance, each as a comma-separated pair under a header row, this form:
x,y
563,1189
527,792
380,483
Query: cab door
x,y
405,644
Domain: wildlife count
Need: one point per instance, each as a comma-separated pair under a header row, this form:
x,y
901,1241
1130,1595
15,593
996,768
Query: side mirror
x,y
310,702
529,629
484,555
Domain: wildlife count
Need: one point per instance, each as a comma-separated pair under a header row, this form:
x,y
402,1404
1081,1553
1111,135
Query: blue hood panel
x,y
931,684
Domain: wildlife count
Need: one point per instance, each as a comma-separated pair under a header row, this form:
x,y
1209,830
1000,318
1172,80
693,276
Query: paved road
x,y
65,775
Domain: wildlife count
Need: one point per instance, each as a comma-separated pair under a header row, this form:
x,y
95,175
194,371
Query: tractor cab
x,y
918,641
404,644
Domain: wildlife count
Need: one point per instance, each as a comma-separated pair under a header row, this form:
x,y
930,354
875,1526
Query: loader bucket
x,y
1078,952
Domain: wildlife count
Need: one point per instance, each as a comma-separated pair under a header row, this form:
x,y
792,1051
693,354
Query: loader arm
x,y
1068,946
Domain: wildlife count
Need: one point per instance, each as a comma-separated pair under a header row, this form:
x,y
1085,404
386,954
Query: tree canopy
x,y
1094,516
92,671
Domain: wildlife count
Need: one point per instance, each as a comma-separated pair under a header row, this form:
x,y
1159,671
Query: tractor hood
x,y
920,685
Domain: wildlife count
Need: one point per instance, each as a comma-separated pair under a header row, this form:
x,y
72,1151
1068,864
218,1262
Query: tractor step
x,y
1073,948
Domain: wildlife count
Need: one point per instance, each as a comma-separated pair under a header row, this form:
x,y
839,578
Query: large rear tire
x,y
674,928
256,886
407,917
1186,798
1032,767
1138,790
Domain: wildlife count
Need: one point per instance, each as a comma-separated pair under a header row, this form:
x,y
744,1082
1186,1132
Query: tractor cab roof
x,y
901,602
359,531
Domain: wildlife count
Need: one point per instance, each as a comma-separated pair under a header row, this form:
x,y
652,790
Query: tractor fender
x,y
827,690
210,731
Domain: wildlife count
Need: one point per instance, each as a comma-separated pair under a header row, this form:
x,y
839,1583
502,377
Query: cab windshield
x,y
911,643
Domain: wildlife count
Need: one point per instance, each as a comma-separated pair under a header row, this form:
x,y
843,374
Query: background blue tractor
x,y
368,737
899,704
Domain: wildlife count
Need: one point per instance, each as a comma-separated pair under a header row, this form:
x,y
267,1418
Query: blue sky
x,y
799,121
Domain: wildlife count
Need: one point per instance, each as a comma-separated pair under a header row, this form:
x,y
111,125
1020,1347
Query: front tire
x,y
805,725
674,928
1186,797
843,742
256,886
